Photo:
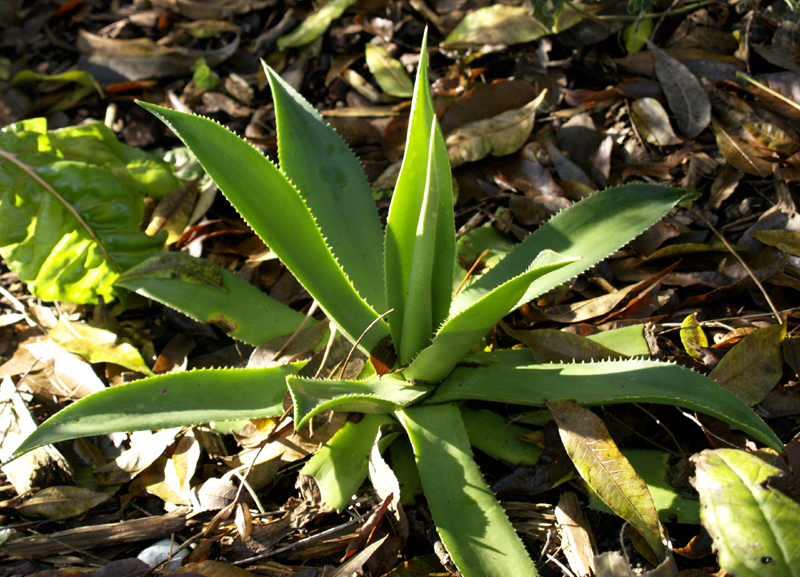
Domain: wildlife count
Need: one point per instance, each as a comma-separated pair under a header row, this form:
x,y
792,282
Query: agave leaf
x,y
376,395
493,435
173,400
463,330
331,180
68,228
210,294
425,162
278,214
514,380
607,471
470,521
753,524
341,465
593,228
628,341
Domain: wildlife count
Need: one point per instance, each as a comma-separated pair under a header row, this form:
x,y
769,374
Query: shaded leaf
x,y
388,72
78,76
554,346
786,240
752,368
490,433
607,471
653,123
62,501
498,136
470,521
314,25
754,527
739,153
686,97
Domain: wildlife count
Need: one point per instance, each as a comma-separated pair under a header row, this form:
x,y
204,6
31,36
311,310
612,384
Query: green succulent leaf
x,y
593,228
376,395
173,400
628,341
753,524
341,465
279,215
68,228
493,435
420,230
474,528
331,180
509,377
208,293
463,330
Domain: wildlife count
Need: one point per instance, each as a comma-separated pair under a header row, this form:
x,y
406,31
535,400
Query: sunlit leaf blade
x,y
210,294
97,345
692,334
509,377
593,228
470,521
607,471
315,25
173,400
341,465
752,368
462,331
405,215
377,395
754,526
67,227
628,340
277,213
388,72
331,180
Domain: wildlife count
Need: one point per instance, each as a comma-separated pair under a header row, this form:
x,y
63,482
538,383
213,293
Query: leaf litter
x,y
521,155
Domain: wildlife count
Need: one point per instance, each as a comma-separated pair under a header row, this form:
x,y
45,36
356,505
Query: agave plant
x,y
317,214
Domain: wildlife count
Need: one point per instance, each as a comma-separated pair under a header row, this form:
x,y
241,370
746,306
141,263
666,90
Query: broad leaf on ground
x,y
754,526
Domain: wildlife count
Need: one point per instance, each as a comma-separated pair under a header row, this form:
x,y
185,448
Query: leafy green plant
x,y
317,214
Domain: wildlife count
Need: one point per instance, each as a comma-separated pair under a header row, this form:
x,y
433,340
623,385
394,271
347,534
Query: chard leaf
x,y
331,180
593,228
376,395
474,528
425,165
68,228
341,465
509,377
463,330
279,215
753,524
210,294
173,400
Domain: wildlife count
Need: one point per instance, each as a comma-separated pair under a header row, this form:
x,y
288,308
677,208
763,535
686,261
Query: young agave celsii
x,y
316,213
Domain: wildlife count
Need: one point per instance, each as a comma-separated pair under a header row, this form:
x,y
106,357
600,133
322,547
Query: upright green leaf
x,y
470,521
753,524
341,465
425,148
610,475
173,400
210,294
462,331
593,228
279,215
508,377
68,228
331,180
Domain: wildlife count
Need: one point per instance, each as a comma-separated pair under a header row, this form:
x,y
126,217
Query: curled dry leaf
x,y
498,136
653,123
685,95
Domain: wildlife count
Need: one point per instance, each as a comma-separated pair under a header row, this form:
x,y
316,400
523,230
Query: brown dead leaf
x,y
739,153
62,501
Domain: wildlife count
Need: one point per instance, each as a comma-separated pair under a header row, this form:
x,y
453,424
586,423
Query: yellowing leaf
x,y
653,123
607,471
388,72
62,501
692,334
503,134
753,367
739,153
785,240
97,345
315,25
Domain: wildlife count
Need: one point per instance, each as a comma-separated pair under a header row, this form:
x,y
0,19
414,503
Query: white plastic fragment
x,y
159,552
